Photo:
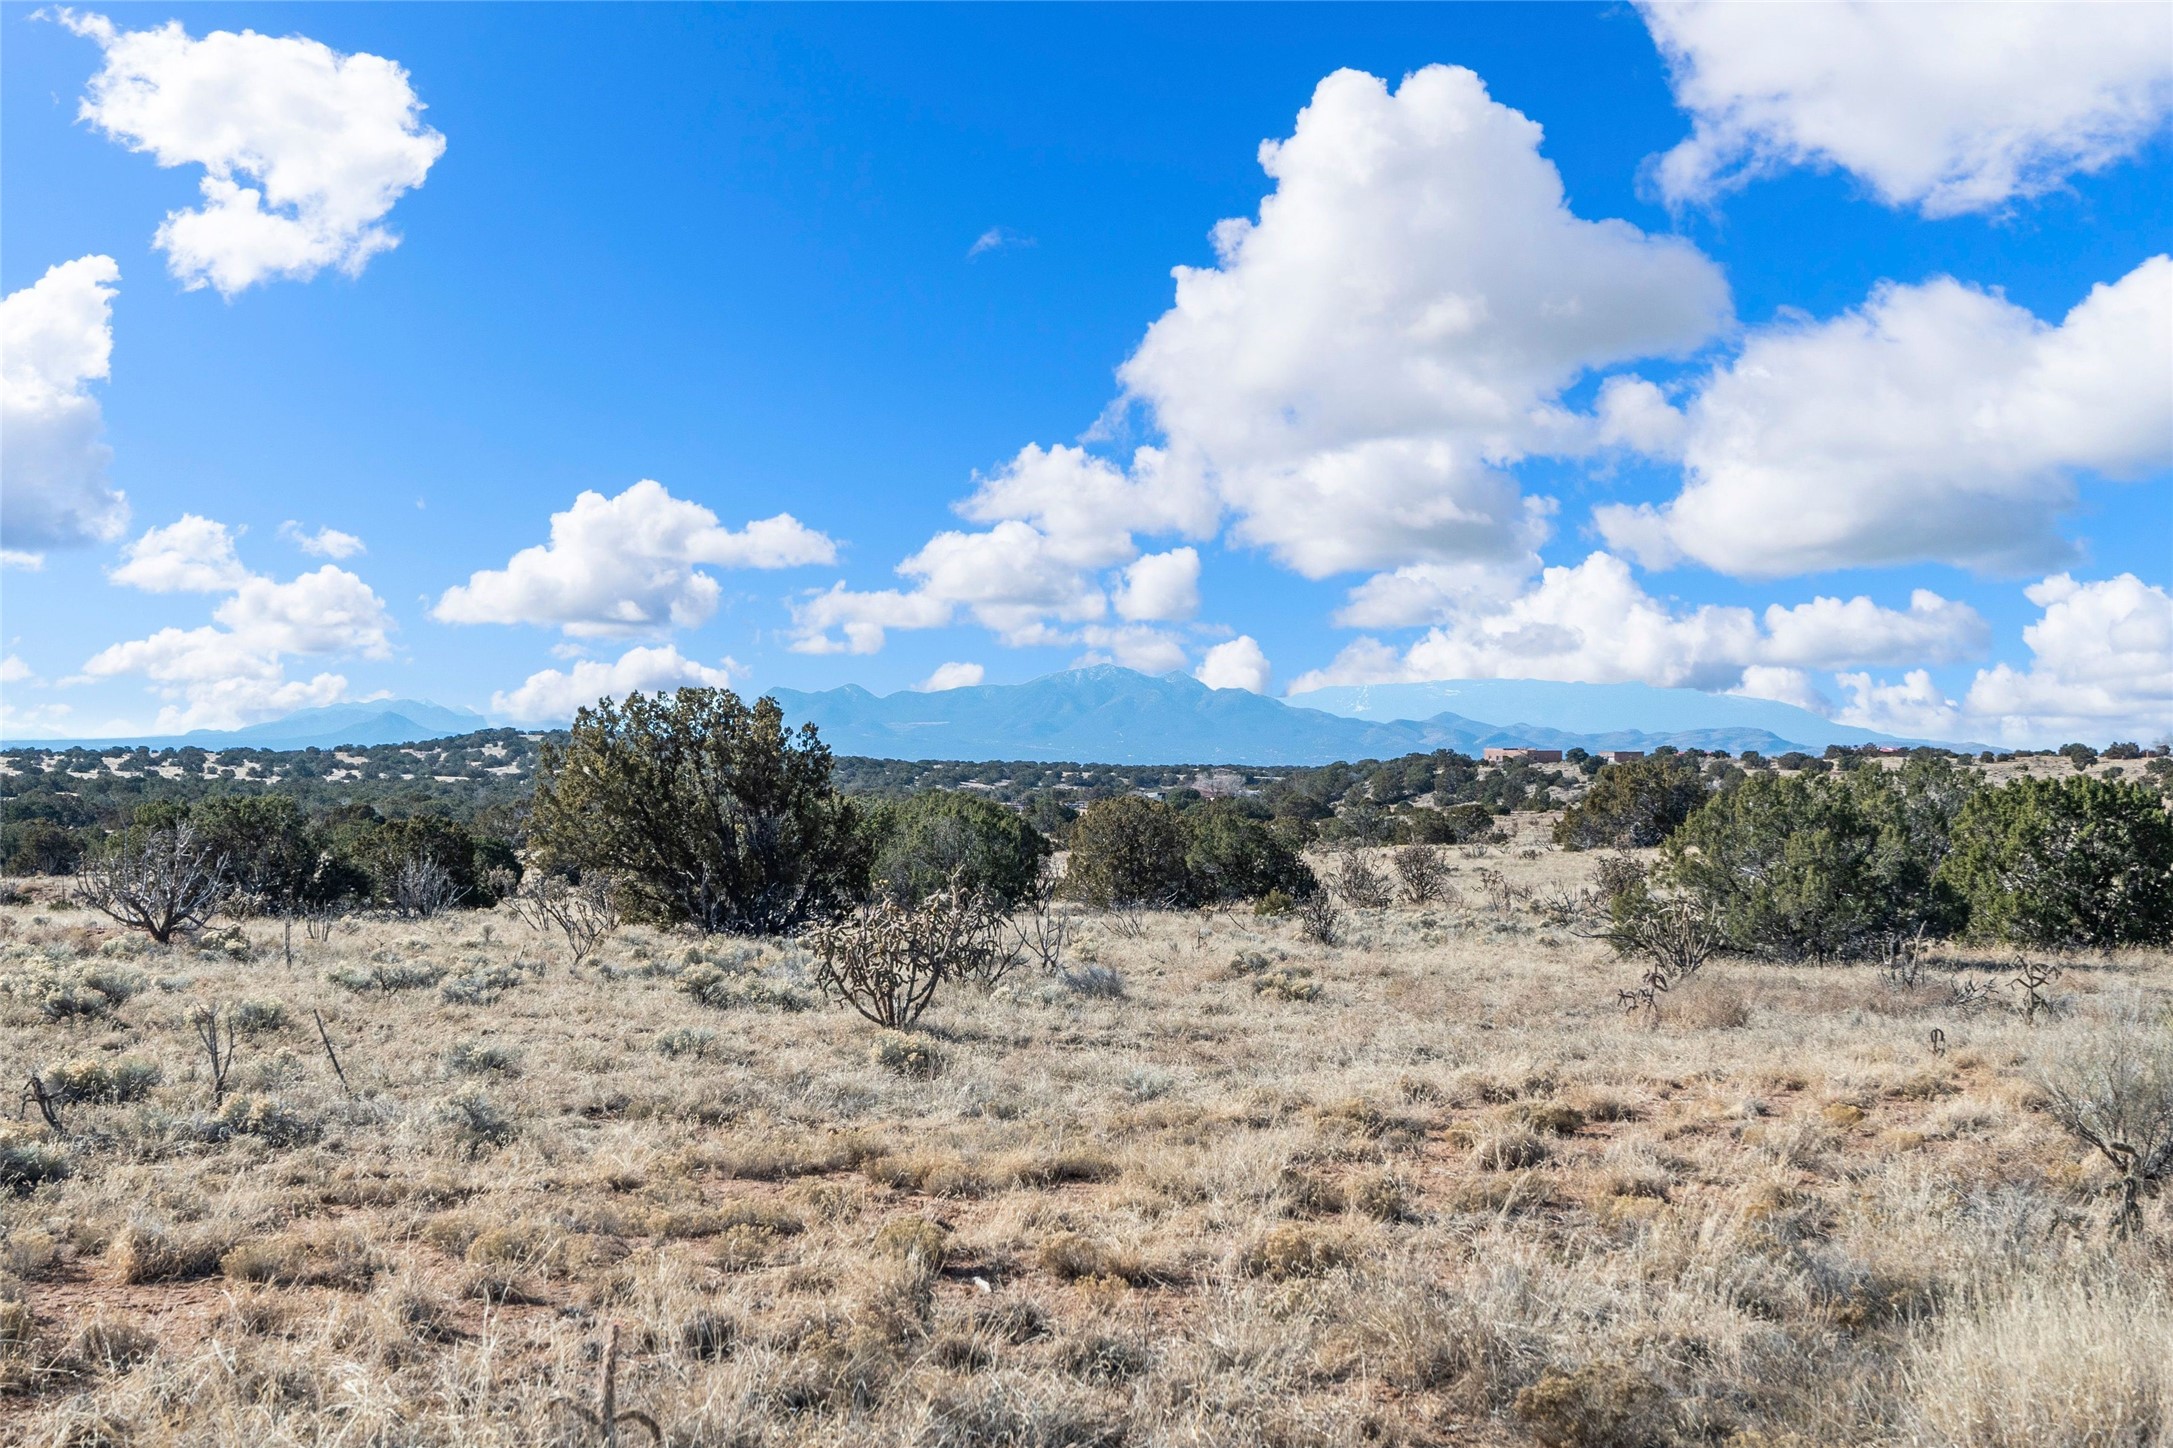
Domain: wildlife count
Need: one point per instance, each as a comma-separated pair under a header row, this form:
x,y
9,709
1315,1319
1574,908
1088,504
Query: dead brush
x,y
166,882
1360,885
1077,1257
335,1257
1319,920
586,913
420,888
1901,963
2029,980
1672,935
608,1417
1296,1249
207,1022
1501,896
1042,931
147,1251
2112,1090
1563,907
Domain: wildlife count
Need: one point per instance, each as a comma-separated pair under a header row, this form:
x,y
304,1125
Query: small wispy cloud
x,y
324,543
995,239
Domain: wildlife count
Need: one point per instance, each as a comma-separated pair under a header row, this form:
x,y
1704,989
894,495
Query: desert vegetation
x,y
714,1106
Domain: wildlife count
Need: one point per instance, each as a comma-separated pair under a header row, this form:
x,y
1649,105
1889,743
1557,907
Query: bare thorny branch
x,y
586,913
207,1021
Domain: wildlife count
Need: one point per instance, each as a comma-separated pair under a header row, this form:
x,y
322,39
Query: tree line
x,y
708,811
1849,863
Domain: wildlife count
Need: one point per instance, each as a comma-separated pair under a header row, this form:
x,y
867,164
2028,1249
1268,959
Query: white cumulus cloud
x,y
2101,666
1594,623
193,555
1936,422
1830,633
1060,553
840,620
1239,663
1397,327
234,669
1916,706
1160,586
304,149
1786,685
628,565
1134,645
555,695
56,337
1947,108
952,676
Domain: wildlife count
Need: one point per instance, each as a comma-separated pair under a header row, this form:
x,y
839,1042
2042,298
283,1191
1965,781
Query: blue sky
x,y
1778,392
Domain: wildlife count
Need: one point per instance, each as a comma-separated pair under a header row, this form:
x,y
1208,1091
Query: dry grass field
x,y
1429,1186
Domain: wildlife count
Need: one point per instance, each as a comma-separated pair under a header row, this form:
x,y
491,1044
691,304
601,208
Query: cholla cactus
x,y
886,960
1421,872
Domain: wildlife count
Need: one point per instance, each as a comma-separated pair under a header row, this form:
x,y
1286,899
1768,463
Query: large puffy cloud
x,y
1594,623
1012,577
304,150
2101,668
841,620
1829,633
1238,663
328,611
1915,707
554,695
1944,107
1427,592
1160,586
1936,422
1399,324
2101,665
628,565
1089,508
233,670
193,555
56,337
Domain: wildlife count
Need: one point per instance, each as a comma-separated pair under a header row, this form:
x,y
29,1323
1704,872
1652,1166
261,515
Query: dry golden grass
x,y
1456,1197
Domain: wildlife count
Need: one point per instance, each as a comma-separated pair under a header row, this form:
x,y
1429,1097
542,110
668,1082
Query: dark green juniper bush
x,y
711,811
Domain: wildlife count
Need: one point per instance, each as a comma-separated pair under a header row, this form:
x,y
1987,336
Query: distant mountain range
x,y
1590,709
379,721
1108,715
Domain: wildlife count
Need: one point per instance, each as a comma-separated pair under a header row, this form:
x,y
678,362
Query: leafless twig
x,y
207,1020
332,1055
